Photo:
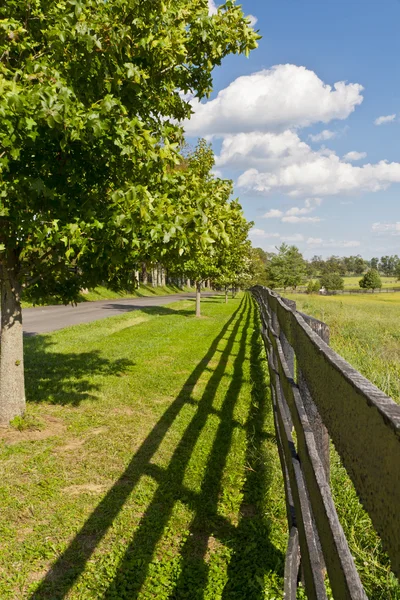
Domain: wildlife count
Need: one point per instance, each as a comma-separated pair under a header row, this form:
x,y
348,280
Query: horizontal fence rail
x,y
317,395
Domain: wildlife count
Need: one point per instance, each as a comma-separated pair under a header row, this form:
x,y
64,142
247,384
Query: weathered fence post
x,y
319,430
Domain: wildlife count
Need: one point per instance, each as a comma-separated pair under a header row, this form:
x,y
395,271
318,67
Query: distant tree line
x,y
287,268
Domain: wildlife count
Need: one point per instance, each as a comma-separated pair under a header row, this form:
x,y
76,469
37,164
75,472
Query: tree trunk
x,y
198,291
188,283
12,383
226,294
145,276
154,277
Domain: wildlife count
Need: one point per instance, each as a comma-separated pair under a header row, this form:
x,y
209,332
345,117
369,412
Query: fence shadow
x,y
65,571
250,562
65,378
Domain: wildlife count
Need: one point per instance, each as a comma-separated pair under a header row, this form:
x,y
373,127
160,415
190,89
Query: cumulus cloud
x,y
301,219
273,214
353,156
261,233
383,120
253,20
295,214
212,8
387,228
302,171
296,237
283,97
331,243
326,134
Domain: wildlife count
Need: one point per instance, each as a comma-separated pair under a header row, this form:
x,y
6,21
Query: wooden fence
x,y
317,395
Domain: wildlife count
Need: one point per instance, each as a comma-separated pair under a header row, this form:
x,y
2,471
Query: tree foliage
x,y
89,104
332,281
287,268
371,280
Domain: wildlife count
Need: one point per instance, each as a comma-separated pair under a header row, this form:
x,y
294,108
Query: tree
x,y
332,281
371,280
334,264
287,268
89,109
313,287
388,265
397,271
373,263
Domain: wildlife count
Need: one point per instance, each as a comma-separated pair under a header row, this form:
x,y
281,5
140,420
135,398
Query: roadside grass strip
x,y
153,470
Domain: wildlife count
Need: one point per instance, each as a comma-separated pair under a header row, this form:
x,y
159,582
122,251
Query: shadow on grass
x,y
65,378
133,568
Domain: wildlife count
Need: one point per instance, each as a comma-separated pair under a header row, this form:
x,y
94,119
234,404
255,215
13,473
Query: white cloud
x,y
273,214
326,134
296,237
285,96
212,9
383,120
261,233
352,156
301,220
387,228
305,172
295,214
253,20
310,204
320,243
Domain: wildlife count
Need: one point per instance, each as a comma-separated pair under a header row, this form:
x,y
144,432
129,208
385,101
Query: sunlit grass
x,y
157,474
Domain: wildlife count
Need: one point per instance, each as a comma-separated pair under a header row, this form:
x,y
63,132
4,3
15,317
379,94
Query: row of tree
x,y
288,269
353,265
93,179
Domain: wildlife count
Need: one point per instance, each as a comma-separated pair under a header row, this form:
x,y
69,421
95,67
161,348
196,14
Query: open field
x,y
103,293
154,471
352,282
365,330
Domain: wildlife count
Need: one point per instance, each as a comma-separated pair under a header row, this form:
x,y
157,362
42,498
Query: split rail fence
x,y
317,395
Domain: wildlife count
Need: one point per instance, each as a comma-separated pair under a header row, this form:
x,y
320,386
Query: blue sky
x,y
311,164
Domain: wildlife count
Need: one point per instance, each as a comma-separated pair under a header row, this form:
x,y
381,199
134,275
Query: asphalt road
x,y
44,319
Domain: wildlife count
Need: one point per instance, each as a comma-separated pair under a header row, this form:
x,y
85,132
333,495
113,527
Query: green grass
x,y
352,282
157,474
365,331
103,293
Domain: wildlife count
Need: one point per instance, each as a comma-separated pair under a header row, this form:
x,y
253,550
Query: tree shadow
x,y
65,378
150,310
68,567
253,554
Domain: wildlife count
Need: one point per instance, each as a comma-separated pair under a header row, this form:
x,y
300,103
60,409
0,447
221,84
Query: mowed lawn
x,y
154,471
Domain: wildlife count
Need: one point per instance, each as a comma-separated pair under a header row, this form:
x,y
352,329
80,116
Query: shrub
x,y
313,287
332,281
371,280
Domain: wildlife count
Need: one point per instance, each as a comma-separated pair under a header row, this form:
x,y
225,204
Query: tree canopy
x,y
92,95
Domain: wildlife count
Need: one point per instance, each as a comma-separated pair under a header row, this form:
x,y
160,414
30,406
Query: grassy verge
x,y
156,474
103,293
364,330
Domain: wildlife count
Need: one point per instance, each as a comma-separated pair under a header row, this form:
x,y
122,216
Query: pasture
x,y
365,330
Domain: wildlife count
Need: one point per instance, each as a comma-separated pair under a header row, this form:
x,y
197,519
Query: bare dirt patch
x,y
52,427
85,488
